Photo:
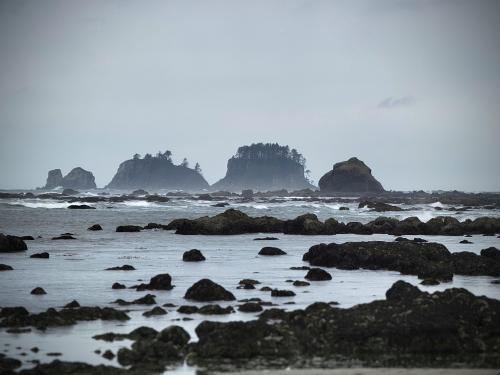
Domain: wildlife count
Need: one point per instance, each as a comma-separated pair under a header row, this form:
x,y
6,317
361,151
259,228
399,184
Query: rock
x,y
27,238
491,252
307,224
20,317
154,312
430,282
215,310
108,354
11,244
125,267
43,255
282,293
264,167
465,242
350,176
162,281
148,299
301,283
220,204
94,227
54,179
70,192
193,255
128,228
250,307
266,239
187,309
266,289
79,178
248,282
72,305
80,207
157,198
64,237
206,290
230,221
343,208
5,267
426,260
268,250
140,192
317,274
300,268
156,172
38,291
118,286
379,206
154,226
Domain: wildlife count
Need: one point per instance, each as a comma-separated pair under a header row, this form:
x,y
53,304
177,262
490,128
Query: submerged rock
x,y
317,274
148,299
43,255
155,312
282,293
125,267
64,237
269,251
11,244
379,206
162,281
350,176
206,290
95,227
193,255
81,207
128,228
5,267
215,310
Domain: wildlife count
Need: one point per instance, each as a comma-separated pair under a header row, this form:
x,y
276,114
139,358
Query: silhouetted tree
x,y
185,163
197,168
148,156
137,156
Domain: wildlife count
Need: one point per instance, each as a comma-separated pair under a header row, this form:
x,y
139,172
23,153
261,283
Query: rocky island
x,y
157,172
77,178
264,167
350,176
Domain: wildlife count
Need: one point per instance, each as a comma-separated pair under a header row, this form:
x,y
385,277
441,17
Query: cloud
x,y
391,102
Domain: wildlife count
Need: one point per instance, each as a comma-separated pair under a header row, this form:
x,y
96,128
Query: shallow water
x,y
75,269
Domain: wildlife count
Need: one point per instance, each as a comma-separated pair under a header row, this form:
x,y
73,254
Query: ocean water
x,y
75,269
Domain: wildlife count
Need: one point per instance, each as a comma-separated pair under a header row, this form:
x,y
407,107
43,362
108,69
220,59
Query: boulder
x,y
38,291
94,227
11,244
250,307
43,255
270,251
193,255
5,267
351,176
215,310
317,274
282,293
118,286
128,228
379,206
206,290
162,281
155,311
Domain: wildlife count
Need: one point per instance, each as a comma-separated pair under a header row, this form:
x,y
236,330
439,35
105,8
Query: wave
x,y
38,204
143,204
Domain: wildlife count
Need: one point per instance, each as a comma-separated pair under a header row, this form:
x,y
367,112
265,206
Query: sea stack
x,y
264,167
351,176
78,178
157,172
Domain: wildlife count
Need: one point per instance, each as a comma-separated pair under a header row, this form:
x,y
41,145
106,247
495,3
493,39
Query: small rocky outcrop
x,y
95,227
351,176
205,290
270,251
80,207
128,228
379,206
38,291
193,255
282,293
155,311
5,267
11,244
125,267
43,255
317,274
264,167
77,178
148,299
54,179
215,310
162,281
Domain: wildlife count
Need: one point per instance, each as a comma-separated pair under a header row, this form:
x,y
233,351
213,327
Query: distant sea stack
x,y
157,172
264,167
78,178
351,176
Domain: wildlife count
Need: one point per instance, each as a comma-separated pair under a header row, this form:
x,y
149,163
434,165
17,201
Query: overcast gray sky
x,y
410,87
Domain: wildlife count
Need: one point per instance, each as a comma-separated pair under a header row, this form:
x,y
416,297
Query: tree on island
x,y
197,168
267,151
185,163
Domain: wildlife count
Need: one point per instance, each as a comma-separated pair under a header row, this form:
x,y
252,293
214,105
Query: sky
x,y
410,87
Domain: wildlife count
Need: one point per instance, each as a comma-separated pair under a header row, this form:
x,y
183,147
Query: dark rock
x,y
250,307
187,309
72,305
154,226
157,198
140,192
215,310
11,244
268,250
38,291
300,268
162,281
379,206
220,204
343,208
118,286
282,293
266,289
307,224
248,282
70,192
266,239
64,237
193,255
5,267
43,255
95,227
300,283
465,242
128,228
350,176
27,238
491,252
156,172
108,354
148,299
430,282
206,290
317,274
125,267
154,312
